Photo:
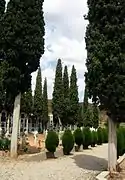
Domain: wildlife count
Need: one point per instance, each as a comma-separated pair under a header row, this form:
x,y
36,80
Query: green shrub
x,y
99,136
67,142
86,137
78,137
105,135
52,141
120,141
4,144
93,138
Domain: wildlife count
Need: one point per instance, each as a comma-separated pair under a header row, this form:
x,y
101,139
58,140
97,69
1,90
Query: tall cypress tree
x,y
27,102
74,100
38,98
57,99
87,111
105,78
45,105
95,121
23,44
66,102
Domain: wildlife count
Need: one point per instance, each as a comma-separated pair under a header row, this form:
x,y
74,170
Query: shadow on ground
x,y
90,162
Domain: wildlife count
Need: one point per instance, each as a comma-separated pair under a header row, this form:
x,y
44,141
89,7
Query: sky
x,y
64,38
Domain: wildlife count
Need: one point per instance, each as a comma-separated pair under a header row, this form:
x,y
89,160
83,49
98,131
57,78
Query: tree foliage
x,y
95,120
2,7
105,42
74,100
38,96
45,104
66,102
22,43
57,100
27,102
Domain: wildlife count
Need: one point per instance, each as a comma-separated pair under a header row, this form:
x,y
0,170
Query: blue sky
x,y
65,31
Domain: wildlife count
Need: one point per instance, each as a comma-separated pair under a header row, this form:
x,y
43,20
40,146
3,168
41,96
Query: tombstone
x,y
46,132
35,133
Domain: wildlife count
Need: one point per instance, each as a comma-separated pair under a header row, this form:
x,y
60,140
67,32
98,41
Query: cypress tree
x,y
57,99
45,104
74,100
105,77
38,98
86,111
23,44
95,120
66,102
27,102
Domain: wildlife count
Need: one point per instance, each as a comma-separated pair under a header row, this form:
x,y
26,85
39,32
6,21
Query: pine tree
x,y
74,100
105,77
45,104
57,99
38,102
22,45
66,102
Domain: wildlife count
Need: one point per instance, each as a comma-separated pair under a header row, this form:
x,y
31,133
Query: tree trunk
x,y
8,124
16,116
112,146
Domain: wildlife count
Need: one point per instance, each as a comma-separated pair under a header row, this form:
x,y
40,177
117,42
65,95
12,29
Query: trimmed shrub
x,y
120,141
78,137
52,141
67,142
86,137
5,144
93,138
99,136
105,135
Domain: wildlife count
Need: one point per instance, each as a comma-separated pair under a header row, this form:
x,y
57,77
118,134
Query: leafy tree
x,y
45,104
74,100
23,44
95,119
38,98
66,103
105,78
57,100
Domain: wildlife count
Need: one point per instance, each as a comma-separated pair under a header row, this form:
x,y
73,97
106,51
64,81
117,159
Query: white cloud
x,y
65,32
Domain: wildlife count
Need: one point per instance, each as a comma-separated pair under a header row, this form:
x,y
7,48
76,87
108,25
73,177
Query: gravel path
x,y
80,166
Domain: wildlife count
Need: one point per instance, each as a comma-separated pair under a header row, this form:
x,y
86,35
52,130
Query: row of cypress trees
x,y
36,106
65,101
